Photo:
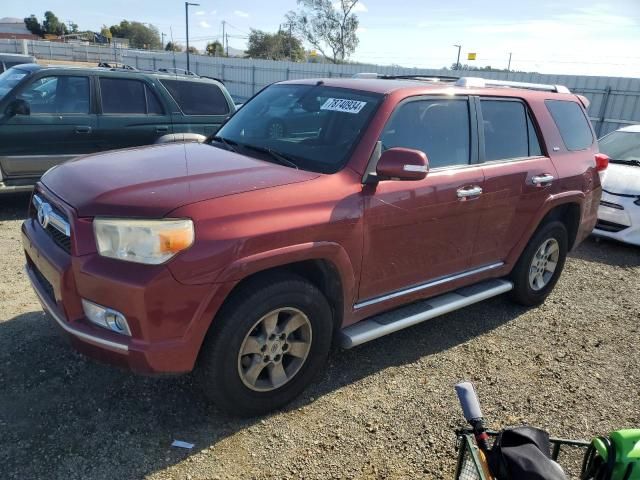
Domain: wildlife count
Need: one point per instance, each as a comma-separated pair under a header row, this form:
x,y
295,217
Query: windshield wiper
x,y
277,156
227,143
626,162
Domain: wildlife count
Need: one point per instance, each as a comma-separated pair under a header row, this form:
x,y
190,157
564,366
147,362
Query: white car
x,y
619,212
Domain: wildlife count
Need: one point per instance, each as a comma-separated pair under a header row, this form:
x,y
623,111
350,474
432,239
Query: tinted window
x,y
317,128
439,128
197,98
122,96
153,104
63,94
508,131
10,79
572,124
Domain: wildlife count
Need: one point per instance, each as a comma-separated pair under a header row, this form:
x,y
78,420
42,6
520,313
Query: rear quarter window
x,y
572,124
197,98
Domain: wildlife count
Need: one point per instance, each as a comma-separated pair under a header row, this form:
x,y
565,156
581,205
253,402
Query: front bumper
x,y
618,218
168,319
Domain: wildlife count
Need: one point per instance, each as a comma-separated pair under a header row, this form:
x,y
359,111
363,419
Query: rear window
x,y
572,124
197,98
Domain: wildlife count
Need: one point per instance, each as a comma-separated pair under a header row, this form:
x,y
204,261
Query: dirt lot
x,y
384,410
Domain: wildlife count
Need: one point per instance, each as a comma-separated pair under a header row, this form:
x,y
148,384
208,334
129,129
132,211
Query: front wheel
x,y
266,345
540,265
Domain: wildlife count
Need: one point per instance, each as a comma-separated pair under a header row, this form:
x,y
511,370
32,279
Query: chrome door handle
x,y
466,192
83,129
542,180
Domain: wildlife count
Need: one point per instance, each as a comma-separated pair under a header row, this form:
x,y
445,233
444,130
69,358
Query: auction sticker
x,y
343,105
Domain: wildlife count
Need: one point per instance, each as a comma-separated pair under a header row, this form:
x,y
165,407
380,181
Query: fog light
x,y
106,317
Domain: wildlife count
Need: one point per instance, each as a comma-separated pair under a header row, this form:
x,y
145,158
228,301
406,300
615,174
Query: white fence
x,y
615,101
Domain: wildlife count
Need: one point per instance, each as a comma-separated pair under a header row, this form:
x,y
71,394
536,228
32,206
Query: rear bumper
x,y
168,320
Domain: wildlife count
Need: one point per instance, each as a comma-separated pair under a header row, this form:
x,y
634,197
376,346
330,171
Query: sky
x,y
547,36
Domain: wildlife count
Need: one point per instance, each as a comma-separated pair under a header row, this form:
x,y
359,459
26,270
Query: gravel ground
x,y
383,410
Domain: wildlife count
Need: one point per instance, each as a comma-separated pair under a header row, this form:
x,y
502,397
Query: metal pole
x,y
186,16
224,39
458,61
227,44
509,66
603,109
163,35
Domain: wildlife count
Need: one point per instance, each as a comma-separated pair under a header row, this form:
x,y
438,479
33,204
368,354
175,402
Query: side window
x,y
154,107
505,129
121,95
197,98
440,128
572,124
534,142
62,94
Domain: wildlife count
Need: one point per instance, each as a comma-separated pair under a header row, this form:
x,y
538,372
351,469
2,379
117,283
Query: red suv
x,y
375,205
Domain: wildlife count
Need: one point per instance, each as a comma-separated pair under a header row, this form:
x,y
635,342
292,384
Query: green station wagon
x,y
51,114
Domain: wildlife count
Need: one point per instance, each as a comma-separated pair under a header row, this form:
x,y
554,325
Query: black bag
x,y
523,453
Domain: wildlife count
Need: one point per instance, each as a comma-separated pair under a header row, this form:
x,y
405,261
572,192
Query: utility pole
x,y
163,35
224,39
227,44
186,11
290,40
509,66
458,61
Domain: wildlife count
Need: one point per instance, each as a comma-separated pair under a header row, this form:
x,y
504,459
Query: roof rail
x,y
427,78
477,82
177,71
116,66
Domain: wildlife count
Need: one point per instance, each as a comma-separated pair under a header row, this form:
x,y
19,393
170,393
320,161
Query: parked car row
x,y
51,114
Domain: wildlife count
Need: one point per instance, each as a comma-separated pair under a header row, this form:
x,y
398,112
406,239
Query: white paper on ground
x,y
181,444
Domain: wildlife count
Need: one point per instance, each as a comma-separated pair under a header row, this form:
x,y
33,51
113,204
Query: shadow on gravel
x,y
14,206
62,416
608,252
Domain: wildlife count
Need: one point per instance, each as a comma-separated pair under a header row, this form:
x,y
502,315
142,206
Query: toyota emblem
x,y
44,214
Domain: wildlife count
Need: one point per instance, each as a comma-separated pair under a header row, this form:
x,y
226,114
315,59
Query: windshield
x,y
314,127
10,79
623,146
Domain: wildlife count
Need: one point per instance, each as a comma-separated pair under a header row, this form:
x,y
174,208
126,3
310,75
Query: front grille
x,y
59,237
44,283
610,226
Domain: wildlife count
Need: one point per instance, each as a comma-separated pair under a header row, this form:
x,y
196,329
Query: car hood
x,y
153,181
622,179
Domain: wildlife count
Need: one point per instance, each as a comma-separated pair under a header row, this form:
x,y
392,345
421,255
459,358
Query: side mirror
x,y
402,164
18,107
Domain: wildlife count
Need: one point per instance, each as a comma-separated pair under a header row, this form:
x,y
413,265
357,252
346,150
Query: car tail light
x,y
602,162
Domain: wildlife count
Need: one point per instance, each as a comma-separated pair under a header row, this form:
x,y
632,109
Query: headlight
x,y
142,241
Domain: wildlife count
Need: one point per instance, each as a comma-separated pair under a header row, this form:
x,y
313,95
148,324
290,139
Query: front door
x,y
420,231
61,126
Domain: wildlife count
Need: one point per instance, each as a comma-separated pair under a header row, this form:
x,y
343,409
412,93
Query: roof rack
x,y
177,71
477,82
116,66
469,82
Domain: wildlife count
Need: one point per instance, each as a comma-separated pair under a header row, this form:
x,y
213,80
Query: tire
x,y
229,378
532,280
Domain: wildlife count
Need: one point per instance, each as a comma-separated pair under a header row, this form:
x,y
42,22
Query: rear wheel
x,y
266,345
540,265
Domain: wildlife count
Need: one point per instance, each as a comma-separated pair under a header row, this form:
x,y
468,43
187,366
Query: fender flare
x,y
553,201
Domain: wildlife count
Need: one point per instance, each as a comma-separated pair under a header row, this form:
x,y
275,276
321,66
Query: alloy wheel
x,y
543,264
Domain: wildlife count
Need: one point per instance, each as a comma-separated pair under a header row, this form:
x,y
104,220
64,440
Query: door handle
x,y
162,129
84,129
542,180
466,192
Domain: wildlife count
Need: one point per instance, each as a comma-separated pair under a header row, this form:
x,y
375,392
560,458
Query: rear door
x,y
203,106
61,126
132,113
519,176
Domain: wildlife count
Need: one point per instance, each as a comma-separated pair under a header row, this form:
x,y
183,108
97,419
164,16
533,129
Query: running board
x,y
407,316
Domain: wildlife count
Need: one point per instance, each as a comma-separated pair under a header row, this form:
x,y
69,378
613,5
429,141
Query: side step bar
x,y
407,316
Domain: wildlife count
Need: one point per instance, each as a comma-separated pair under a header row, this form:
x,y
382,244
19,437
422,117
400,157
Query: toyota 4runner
x,y
377,203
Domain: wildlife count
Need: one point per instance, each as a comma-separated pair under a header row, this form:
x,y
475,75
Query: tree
x,y
214,49
33,25
328,27
274,46
193,50
53,25
106,33
138,34
73,27
173,47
